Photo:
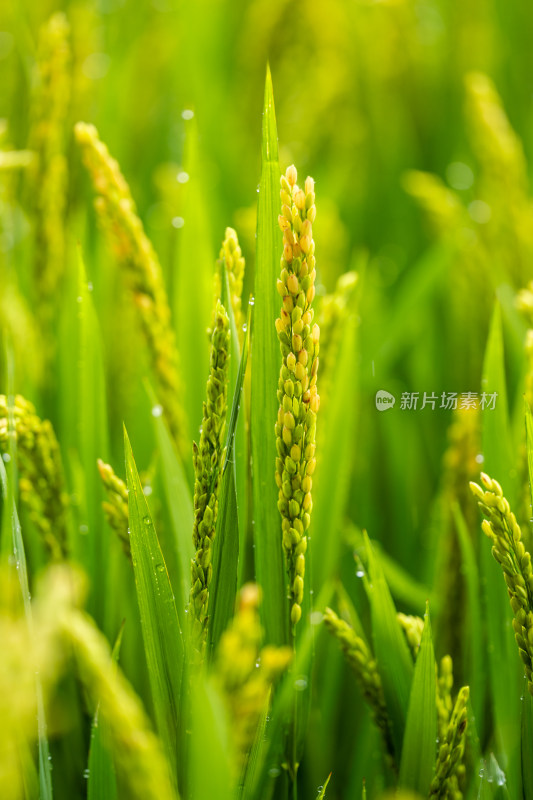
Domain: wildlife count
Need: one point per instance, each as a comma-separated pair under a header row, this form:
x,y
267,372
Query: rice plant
x,y
266,515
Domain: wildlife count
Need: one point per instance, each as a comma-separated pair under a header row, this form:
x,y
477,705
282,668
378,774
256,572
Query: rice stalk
x,y
41,481
142,271
297,388
208,458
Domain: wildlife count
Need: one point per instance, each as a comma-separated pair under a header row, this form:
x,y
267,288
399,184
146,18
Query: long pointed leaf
x,y
102,780
266,359
474,666
179,502
392,654
226,545
162,636
504,665
45,765
419,742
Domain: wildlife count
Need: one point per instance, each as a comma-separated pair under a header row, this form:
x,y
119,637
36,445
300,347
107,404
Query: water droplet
x,y
96,66
182,177
273,772
89,286
84,529
147,490
251,301
459,176
157,411
6,457
160,567
245,327
320,789
178,222
86,774
300,684
316,617
480,458
187,113
146,520
360,573
79,299
479,211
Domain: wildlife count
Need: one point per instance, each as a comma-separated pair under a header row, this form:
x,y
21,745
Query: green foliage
x,y
424,246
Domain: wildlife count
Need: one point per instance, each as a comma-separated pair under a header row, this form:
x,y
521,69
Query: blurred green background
x,y
365,91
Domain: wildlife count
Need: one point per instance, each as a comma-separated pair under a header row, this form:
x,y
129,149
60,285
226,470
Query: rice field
x,y
266,394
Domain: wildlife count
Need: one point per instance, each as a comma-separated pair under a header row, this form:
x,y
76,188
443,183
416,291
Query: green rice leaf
x,y
240,444
335,453
193,286
503,661
419,749
91,548
162,636
403,587
270,569
493,781
421,283
527,744
209,752
18,552
529,446
392,654
179,502
267,767
322,789
226,545
473,637
102,781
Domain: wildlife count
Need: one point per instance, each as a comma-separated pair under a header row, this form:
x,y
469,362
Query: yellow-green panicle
x,y
508,549
48,174
118,216
208,460
364,666
297,389
449,765
116,505
245,672
41,480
